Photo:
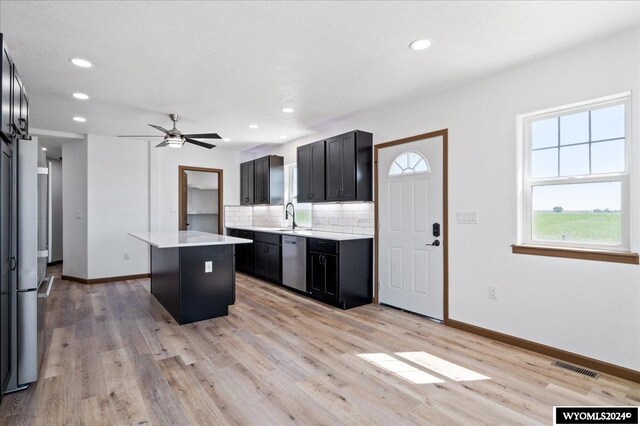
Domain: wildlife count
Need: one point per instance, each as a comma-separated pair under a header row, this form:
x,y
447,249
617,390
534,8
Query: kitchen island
x,y
192,273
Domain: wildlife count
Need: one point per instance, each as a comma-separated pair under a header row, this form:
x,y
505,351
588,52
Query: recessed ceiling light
x,y
80,96
79,119
253,126
226,140
420,44
288,109
82,63
283,137
44,149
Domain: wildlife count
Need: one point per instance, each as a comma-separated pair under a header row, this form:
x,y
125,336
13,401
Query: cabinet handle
x,y
267,249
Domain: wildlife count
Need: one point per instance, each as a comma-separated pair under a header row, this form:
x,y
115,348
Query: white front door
x,y
410,202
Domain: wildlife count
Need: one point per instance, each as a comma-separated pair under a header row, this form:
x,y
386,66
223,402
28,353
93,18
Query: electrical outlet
x,y
127,256
208,267
493,293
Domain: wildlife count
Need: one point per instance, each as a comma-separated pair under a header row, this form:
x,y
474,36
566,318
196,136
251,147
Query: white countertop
x,y
169,239
335,236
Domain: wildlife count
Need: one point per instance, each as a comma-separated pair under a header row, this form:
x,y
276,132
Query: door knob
x,y
436,243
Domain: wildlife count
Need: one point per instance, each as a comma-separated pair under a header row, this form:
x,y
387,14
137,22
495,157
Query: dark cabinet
x,y
323,276
311,172
244,256
340,273
246,183
267,256
349,171
339,168
262,181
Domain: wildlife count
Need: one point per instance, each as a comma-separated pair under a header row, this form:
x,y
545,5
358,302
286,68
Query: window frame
x,y
413,172
528,183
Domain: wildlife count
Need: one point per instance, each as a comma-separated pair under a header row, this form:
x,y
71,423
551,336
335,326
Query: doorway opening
x,y
411,244
200,199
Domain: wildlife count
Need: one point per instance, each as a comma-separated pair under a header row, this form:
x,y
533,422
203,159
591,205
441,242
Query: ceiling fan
x,y
174,138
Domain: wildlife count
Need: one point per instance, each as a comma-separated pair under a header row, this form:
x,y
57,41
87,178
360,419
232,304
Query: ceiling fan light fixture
x,y
174,141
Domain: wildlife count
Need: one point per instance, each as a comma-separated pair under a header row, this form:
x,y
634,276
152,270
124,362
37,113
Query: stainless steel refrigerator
x,y
33,285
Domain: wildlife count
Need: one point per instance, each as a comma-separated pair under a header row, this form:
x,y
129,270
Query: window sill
x,y
575,253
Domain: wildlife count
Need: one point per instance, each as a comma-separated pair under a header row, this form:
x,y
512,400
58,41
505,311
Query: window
x,y
409,163
303,210
575,175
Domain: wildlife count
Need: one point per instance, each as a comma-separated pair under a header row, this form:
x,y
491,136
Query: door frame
x,y
444,133
182,207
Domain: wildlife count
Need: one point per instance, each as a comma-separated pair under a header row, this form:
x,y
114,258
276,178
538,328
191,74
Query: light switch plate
x,y
208,266
467,218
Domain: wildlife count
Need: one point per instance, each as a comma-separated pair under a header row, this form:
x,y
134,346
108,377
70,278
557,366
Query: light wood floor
x,y
116,357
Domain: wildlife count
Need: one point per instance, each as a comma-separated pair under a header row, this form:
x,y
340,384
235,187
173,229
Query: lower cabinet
x,y
267,256
340,273
267,261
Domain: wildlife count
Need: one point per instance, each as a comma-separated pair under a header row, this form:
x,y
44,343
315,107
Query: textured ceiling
x,y
224,65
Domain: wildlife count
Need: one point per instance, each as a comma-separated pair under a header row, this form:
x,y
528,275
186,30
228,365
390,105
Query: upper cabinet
x,y
311,176
337,169
14,103
262,181
246,183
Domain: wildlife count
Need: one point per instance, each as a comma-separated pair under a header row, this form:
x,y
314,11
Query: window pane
x,y
574,160
544,133
421,166
607,157
413,159
607,123
544,163
574,128
581,213
395,169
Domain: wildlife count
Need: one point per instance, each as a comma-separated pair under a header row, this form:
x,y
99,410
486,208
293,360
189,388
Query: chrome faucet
x,y
293,214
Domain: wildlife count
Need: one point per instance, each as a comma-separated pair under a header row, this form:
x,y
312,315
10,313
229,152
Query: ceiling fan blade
x,y
162,129
161,144
202,144
204,136
140,136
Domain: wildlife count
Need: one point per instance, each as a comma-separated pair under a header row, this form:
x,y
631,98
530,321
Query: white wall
x,y
55,210
74,203
590,308
118,203
164,179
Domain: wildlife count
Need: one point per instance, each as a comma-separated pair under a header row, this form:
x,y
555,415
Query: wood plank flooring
x,y
116,357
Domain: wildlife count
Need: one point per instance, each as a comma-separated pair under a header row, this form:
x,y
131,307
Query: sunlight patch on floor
x,y
400,368
423,359
442,366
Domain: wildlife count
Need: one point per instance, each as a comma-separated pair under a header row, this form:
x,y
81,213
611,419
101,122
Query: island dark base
x,y
179,281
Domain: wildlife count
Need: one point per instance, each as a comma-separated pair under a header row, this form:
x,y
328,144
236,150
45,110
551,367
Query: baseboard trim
x,y
105,279
602,366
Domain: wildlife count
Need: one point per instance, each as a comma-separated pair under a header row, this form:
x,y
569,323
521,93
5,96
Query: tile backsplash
x,y
346,218
268,216
238,216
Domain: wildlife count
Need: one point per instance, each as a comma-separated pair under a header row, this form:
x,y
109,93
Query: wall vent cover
x,y
576,369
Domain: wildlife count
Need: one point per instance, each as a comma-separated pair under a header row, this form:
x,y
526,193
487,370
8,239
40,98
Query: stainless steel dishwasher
x,y
294,262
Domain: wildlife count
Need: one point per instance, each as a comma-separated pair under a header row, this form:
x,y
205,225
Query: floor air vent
x,y
576,369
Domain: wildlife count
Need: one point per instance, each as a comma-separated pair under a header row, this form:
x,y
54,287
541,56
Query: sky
x,y
561,160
